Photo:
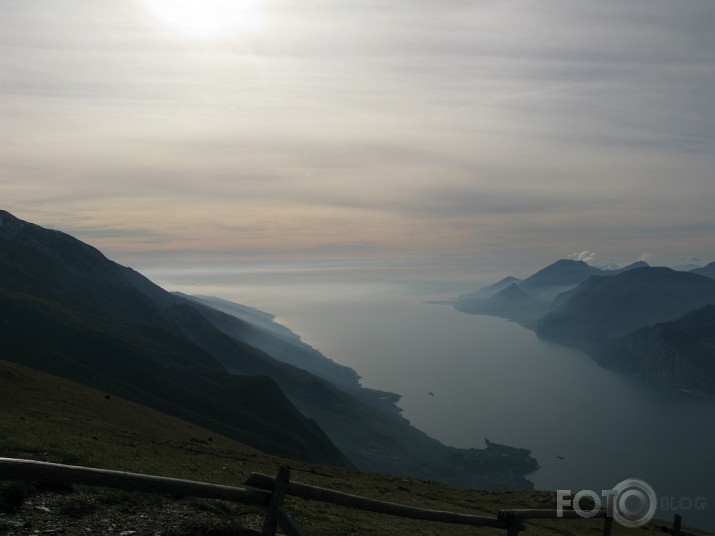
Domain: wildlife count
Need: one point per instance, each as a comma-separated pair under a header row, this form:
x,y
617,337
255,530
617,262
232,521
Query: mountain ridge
x,y
707,270
600,312
602,308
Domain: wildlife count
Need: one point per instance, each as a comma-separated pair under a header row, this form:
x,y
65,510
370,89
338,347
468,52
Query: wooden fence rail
x,y
31,470
314,493
13,469
271,493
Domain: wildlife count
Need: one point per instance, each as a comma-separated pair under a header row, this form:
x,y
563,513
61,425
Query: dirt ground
x,y
75,511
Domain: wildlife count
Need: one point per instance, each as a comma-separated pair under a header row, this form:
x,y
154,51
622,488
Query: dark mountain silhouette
x,y
708,271
603,308
680,353
70,311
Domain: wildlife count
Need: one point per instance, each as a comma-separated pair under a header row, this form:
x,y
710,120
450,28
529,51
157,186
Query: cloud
x,y
585,256
437,127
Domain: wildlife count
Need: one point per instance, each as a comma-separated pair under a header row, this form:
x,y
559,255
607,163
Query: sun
x,y
208,19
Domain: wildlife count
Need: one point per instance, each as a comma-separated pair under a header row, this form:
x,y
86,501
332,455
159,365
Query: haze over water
x,y
588,427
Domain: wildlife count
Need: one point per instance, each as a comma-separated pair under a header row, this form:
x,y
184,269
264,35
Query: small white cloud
x,y
585,256
644,257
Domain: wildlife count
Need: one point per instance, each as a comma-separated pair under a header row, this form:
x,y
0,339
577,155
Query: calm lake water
x,y
589,428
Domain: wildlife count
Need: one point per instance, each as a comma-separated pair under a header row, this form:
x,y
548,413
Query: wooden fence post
x,y
514,522
607,525
608,521
677,521
286,523
270,523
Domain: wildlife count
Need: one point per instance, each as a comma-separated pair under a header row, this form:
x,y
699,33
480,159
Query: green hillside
x,y
48,418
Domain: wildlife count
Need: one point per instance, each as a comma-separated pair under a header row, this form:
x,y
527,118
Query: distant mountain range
x,y
708,270
527,300
653,322
68,310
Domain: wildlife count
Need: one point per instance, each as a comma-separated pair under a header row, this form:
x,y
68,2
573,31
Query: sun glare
x,y
208,19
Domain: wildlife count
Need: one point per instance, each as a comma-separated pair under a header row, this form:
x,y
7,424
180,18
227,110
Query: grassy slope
x,y
45,417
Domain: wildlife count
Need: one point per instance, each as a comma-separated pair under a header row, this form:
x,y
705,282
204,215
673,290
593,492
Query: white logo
x,y
632,502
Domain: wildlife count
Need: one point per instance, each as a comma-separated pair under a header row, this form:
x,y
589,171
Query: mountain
x,y
562,273
604,308
510,302
71,312
259,329
285,346
490,290
679,354
632,266
626,318
708,271
567,273
51,418
108,327
526,301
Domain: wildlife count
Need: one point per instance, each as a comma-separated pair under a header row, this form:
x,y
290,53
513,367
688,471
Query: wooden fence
x,y
271,492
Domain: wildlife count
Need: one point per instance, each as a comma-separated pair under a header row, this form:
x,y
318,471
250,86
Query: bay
x,y
589,427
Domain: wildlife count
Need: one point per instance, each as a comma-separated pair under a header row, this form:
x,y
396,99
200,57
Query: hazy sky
x,y
199,129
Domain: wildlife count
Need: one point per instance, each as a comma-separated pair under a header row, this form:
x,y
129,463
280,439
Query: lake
x,y
588,427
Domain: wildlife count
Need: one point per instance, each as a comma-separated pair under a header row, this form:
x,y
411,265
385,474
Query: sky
x,y
167,131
